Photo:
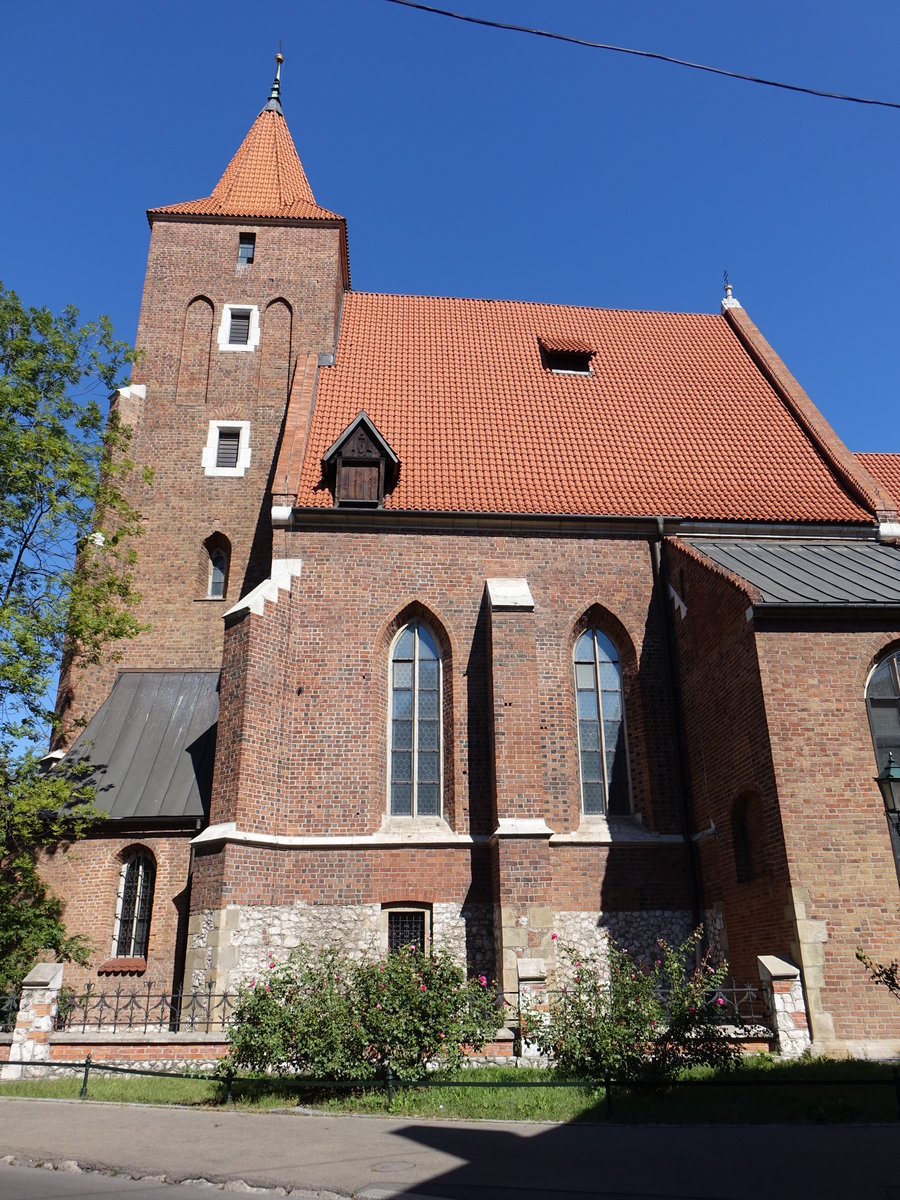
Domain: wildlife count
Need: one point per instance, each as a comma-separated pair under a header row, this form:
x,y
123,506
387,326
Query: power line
x,y
667,58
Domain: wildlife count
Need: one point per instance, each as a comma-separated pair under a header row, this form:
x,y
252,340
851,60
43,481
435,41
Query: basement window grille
x,y
406,927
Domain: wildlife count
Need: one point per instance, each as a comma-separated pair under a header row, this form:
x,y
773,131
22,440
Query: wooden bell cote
x,y
360,465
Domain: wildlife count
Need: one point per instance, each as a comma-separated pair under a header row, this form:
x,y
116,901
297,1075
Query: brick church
x,y
482,623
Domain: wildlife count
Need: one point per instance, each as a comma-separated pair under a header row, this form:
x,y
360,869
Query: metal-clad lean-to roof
x,y
808,573
151,745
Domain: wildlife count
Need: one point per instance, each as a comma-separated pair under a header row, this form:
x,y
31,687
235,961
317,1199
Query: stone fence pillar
x,y
783,991
35,1020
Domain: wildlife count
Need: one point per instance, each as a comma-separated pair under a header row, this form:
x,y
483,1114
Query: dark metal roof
x,y
811,573
152,744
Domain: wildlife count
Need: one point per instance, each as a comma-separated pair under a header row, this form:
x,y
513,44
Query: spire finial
x,y
274,102
729,301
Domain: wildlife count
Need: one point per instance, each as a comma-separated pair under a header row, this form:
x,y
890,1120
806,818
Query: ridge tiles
x,y
265,179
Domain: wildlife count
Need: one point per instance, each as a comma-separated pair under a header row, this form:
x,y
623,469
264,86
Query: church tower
x,y
241,301
242,295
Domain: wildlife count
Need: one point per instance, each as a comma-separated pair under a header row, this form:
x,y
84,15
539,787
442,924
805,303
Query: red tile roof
x,y
265,179
886,469
675,418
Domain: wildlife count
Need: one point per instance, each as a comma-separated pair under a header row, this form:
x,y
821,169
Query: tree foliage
x,y
66,587
886,975
322,1015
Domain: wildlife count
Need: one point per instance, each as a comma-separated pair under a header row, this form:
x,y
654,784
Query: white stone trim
x,y
225,327
228,831
211,449
599,830
509,593
135,391
522,827
281,514
888,531
284,570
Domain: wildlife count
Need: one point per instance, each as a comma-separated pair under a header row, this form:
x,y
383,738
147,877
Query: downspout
x,y
682,764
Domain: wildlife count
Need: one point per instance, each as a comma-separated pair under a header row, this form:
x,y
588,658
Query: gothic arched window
x,y
883,700
135,905
415,733
601,725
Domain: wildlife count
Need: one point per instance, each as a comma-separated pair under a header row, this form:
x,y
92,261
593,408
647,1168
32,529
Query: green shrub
x,y
299,1019
420,1008
320,1014
630,1020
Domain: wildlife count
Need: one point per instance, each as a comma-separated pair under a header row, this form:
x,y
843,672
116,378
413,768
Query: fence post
x,y
229,1080
82,1095
35,1020
390,1086
607,1085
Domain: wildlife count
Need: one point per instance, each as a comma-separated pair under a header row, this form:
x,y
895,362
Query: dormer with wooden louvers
x,y
360,466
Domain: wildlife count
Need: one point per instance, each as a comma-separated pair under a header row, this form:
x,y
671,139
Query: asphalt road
x,y
372,1158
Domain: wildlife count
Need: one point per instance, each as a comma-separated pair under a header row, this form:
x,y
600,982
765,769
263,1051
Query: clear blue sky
x,y
480,163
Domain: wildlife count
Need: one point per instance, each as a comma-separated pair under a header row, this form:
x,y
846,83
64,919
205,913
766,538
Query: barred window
x,y
415,733
132,935
601,725
406,927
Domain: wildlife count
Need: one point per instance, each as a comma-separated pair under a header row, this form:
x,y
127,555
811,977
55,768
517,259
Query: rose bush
x,y
631,1020
323,1015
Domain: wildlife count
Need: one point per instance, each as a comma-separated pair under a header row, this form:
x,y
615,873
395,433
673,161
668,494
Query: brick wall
x,y
192,272
726,727
87,874
776,721
842,869
314,668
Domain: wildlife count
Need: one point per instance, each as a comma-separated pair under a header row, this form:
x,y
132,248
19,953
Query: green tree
x,y
66,587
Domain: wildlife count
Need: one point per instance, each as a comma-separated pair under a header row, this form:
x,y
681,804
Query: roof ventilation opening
x,y
565,358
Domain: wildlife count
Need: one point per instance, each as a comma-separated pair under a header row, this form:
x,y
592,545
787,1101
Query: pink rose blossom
x,y
720,1000
422,987
553,937
482,979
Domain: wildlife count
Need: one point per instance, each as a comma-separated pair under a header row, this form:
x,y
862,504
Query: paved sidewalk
x,y
371,1157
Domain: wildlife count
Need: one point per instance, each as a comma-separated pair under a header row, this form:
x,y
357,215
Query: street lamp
x,y
889,782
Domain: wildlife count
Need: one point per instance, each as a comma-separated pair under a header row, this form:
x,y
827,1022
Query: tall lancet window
x,y
415,734
132,936
601,725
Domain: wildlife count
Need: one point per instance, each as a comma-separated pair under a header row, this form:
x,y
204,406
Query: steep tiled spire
x,y
265,179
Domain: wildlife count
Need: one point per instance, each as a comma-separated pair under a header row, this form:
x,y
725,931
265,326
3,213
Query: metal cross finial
x,y
274,102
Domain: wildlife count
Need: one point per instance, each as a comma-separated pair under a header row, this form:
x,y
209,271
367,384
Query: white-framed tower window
x,y
239,327
227,449
416,716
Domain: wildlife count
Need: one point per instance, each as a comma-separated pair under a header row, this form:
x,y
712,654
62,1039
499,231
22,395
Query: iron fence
x,y
145,1010
9,1006
733,1003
